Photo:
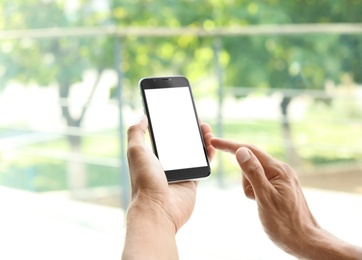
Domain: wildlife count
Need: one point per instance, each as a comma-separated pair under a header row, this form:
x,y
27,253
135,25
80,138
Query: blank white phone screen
x,y
175,128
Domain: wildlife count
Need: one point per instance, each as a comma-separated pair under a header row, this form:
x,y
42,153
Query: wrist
x,y
148,210
320,244
151,229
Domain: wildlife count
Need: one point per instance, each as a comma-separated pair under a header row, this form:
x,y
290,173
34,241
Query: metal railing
x,y
250,30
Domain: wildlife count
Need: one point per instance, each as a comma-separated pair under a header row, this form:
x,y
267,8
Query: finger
x,y
253,172
209,148
225,145
136,144
206,130
232,147
248,189
207,139
136,132
144,168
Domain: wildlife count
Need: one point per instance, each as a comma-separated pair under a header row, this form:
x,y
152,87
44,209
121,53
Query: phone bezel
x,y
174,82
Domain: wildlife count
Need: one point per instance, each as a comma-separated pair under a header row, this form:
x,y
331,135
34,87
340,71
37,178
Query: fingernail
x,y
242,155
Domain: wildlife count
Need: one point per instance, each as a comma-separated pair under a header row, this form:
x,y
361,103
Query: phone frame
x,y
174,82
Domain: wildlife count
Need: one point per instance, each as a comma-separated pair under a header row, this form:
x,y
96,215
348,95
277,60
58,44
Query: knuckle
x,y
288,172
285,166
132,129
254,168
134,151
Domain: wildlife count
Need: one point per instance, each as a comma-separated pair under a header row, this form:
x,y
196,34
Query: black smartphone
x,y
174,128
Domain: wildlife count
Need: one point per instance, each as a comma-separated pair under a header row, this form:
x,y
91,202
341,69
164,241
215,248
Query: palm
x,y
149,181
182,201
176,199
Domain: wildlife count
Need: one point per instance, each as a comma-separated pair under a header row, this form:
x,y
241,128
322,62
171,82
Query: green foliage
x,y
261,61
248,61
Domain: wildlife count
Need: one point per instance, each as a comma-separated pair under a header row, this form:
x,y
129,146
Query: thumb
x,y
253,172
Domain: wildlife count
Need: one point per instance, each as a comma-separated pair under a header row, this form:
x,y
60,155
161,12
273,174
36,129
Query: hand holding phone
x,y
174,128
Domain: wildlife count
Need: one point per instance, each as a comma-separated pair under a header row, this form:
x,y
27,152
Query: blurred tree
x,y
60,60
188,55
293,62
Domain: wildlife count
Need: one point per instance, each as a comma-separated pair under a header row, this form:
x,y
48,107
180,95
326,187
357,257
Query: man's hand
x,y
283,210
158,209
148,179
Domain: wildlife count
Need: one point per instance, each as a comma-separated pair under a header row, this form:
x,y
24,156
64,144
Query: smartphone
x,y
174,128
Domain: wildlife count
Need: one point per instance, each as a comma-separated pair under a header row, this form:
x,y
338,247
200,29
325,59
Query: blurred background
x,y
283,75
